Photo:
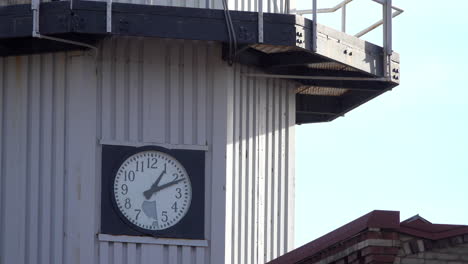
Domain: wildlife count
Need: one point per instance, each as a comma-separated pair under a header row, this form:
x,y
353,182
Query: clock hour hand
x,y
148,193
169,184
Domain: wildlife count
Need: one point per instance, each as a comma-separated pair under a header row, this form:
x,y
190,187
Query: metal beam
x,y
319,78
306,71
292,58
372,87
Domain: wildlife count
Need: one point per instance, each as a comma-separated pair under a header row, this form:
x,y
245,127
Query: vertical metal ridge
x,y
173,254
261,176
255,188
174,86
242,176
185,255
234,167
3,68
99,135
46,149
291,167
279,132
287,159
281,189
126,88
66,175
53,156
141,57
113,63
118,252
189,94
254,151
133,90
104,253
59,138
165,254
41,160
193,255
138,254
64,150
250,172
268,201
274,183
202,58
103,67
167,85
111,252
28,166
195,103
97,148
120,77
180,68
211,49
284,165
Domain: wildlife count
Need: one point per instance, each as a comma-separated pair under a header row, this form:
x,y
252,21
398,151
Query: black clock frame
x,y
113,222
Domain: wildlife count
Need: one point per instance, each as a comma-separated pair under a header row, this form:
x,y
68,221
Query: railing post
x,y
343,18
387,36
314,25
35,9
109,16
260,21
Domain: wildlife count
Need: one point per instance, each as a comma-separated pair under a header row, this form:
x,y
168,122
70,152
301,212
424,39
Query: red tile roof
x,y
420,227
382,220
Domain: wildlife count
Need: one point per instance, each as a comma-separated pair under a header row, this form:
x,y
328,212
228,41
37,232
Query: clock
x,y
152,191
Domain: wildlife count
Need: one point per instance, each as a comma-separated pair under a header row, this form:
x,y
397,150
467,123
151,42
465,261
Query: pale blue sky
x,y
406,150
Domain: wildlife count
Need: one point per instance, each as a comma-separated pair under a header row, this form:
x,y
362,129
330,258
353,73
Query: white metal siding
x,y
146,85
57,109
262,175
32,162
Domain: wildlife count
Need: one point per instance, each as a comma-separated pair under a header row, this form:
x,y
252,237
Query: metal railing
x,y
386,21
342,5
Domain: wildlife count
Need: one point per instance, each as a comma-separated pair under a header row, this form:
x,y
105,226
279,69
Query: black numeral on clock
x,y
129,175
179,193
174,207
153,162
124,188
164,216
138,213
127,204
140,165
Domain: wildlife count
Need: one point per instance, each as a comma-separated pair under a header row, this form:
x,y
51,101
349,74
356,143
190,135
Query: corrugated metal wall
x,y
144,86
56,110
33,157
263,120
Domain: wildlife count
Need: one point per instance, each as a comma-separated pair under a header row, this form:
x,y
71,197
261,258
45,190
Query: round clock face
x,y
152,190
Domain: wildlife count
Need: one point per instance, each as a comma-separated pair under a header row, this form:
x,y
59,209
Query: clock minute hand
x,y
148,193
164,186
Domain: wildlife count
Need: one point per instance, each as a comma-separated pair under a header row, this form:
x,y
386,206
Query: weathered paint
x,y
57,108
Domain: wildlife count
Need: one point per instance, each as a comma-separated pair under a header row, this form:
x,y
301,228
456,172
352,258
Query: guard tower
x,y
208,89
